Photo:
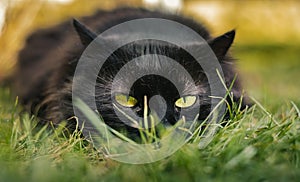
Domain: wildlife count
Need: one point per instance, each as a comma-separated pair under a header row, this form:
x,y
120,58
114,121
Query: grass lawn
x,y
261,144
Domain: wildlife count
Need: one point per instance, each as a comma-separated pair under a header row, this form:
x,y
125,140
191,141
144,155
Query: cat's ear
x,y
86,35
221,44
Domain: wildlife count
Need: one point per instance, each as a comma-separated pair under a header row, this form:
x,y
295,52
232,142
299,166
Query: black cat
x,y
43,79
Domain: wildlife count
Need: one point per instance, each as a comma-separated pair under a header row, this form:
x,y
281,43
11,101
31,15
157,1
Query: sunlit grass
x,y
257,145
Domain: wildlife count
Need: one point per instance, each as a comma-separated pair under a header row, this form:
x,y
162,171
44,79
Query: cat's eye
x,y
125,100
185,101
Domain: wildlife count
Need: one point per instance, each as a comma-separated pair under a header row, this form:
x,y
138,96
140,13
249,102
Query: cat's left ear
x,y
86,35
221,44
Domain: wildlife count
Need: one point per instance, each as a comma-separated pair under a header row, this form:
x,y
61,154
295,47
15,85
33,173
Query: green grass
x,y
271,73
261,144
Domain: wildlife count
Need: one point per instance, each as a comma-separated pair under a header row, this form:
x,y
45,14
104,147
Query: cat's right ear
x,y
86,35
220,45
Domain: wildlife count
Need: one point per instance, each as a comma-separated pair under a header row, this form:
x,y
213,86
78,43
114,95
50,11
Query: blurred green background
x,y
266,46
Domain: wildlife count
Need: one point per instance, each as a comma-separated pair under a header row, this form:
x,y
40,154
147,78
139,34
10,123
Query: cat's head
x,y
153,93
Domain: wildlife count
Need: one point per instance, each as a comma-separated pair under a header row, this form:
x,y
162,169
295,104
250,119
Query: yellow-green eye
x,y
125,100
185,101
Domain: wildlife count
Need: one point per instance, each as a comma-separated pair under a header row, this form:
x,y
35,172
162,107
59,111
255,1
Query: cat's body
x,y
48,61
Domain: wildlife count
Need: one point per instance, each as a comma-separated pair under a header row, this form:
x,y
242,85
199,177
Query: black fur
x,y
43,80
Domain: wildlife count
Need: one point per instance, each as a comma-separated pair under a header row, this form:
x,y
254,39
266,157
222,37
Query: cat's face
x,y
121,101
151,92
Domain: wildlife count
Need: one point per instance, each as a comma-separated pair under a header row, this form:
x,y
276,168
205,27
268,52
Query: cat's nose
x,y
171,117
